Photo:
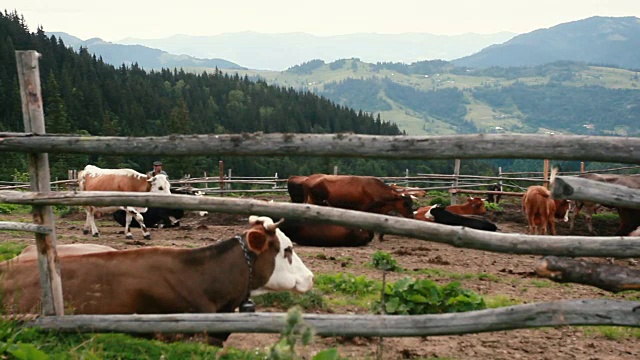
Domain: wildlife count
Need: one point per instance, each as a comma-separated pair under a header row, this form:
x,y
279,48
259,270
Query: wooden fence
x,y
577,312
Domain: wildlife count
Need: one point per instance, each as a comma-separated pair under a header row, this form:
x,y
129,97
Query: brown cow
x,y
295,187
473,206
363,193
541,210
160,280
93,178
329,235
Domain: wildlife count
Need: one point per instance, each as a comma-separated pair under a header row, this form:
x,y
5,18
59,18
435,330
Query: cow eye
x,y
288,254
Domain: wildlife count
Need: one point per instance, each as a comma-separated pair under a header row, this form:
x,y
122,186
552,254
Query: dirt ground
x,y
512,278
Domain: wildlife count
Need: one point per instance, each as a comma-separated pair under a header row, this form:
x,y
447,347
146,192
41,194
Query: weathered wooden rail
x,y
558,313
618,247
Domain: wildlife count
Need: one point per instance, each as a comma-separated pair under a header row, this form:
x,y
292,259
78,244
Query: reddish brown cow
x,y
363,193
160,280
295,187
473,206
329,235
541,210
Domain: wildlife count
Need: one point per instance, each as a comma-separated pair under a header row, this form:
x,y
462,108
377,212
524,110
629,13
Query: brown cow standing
x,y
473,206
154,280
588,208
541,210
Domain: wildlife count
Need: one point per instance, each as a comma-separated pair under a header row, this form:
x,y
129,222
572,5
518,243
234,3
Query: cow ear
x,y
257,241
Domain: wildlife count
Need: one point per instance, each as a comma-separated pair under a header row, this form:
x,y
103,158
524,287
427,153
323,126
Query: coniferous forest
x,y
84,95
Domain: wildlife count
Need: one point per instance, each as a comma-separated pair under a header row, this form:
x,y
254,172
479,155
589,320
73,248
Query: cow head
x,y
562,209
428,215
477,205
289,273
403,205
159,184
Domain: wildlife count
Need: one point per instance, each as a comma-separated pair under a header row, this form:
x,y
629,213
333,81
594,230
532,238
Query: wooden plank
x,y
614,278
18,226
572,246
39,175
481,192
565,187
551,314
473,146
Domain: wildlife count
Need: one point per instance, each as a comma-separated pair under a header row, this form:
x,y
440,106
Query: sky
x,y
113,20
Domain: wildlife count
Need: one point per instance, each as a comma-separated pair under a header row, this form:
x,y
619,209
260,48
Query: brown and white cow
x,y
161,280
473,206
93,178
587,208
541,210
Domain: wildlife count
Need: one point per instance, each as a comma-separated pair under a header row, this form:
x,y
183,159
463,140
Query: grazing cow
x,y
329,235
473,206
161,280
541,210
296,189
629,218
441,215
494,198
587,208
92,178
363,193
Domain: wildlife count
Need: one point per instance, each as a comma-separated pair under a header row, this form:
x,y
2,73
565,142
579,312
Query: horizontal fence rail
x,y
35,228
599,192
619,247
558,313
475,146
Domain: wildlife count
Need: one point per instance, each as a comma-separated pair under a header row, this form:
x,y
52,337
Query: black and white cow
x,y
161,217
440,215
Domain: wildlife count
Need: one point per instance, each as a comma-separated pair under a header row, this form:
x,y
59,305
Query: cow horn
x,y
274,226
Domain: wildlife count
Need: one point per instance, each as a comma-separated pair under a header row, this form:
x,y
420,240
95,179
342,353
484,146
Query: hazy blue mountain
x,y
148,58
281,51
597,40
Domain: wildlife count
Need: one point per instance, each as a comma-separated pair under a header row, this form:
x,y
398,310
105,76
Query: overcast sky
x,y
113,20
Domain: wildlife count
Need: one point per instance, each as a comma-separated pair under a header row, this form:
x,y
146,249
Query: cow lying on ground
x,y
473,206
92,178
329,235
161,280
541,210
441,215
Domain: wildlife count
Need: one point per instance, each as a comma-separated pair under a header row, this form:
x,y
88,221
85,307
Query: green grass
x,y
9,250
496,301
612,332
605,216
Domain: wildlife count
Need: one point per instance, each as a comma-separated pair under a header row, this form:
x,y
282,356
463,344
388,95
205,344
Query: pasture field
x,y
501,279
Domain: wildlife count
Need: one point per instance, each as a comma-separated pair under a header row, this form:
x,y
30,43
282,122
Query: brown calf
x,y
541,210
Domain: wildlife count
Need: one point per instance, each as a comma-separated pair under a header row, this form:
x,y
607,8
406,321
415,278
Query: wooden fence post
x,y
581,166
456,174
39,175
221,175
335,170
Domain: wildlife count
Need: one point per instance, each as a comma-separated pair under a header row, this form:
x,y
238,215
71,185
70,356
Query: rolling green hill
x,y
436,97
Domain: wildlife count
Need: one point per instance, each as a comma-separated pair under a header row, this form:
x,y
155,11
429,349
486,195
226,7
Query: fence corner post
x,y
40,178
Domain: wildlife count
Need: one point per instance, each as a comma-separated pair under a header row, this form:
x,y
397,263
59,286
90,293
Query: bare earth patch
x,y
507,277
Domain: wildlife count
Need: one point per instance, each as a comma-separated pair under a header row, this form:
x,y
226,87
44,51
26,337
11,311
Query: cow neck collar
x,y
249,258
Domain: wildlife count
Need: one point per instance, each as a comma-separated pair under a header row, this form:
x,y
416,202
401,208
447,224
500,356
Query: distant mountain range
x,y
282,51
596,40
148,58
